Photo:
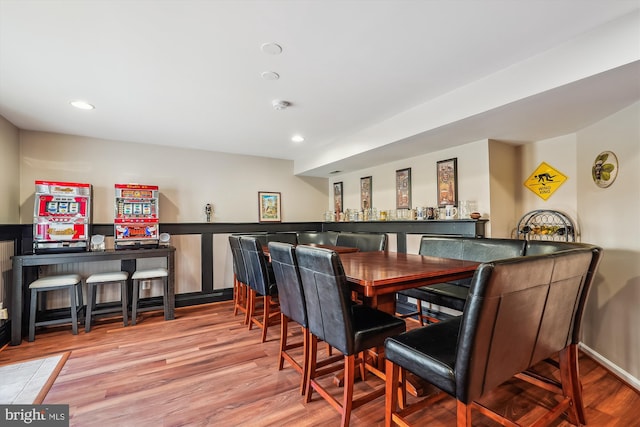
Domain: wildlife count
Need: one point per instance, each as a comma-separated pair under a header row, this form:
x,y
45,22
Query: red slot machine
x,y
137,220
61,217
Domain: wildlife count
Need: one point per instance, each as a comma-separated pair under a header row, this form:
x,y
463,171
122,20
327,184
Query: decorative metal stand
x,y
545,224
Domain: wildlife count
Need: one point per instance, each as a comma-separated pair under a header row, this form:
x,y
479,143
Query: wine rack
x,y
545,224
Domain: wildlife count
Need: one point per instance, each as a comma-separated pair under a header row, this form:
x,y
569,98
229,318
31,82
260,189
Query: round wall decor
x,y
605,169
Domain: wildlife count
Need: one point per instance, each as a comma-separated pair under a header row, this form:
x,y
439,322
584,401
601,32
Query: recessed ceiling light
x,y
270,75
271,48
83,105
297,138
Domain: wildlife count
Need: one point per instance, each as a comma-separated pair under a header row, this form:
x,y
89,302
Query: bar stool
x,y
142,275
108,278
72,282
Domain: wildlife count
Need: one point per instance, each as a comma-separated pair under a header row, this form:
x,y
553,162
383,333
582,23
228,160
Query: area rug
x,y
29,382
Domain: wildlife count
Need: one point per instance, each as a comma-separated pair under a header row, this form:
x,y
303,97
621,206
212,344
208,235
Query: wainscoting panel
x,y
222,262
6,252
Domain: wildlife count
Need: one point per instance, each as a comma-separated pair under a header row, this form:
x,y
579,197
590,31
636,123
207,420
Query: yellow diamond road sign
x,y
545,180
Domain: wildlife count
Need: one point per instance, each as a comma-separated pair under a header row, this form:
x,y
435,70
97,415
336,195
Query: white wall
x,y
188,179
504,170
473,179
9,172
610,218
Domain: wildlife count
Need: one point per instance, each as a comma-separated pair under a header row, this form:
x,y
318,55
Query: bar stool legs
x,y
71,282
142,275
99,279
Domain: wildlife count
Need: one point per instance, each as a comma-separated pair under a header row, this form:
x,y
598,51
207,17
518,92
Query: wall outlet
x,y
146,285
4,314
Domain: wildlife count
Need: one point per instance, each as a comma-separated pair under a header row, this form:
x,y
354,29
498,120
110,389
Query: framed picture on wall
x,y
269,206
337,197
365,193
447,179
403,188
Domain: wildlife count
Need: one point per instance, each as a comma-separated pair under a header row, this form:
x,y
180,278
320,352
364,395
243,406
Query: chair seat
x,y
114,276
54,281
439,341
443,294
372,326
150,274
106,278
71,282
153,273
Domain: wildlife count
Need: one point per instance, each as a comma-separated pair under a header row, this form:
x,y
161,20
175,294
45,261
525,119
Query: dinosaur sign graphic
x,y
545,180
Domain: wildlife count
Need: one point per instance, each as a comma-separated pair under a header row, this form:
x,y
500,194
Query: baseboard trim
x,y
615,370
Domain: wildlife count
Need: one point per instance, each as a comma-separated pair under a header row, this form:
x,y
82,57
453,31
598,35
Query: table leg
x,y
16,306
171,287
387,303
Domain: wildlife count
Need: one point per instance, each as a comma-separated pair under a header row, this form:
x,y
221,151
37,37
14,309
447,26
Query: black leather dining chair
x,y
292,306
572,370
262,283
519,312
350,328
240,277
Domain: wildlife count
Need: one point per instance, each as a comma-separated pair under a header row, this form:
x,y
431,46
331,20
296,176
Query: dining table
x,y
377,276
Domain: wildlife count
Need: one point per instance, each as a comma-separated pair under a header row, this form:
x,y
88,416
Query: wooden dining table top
x,y
380,273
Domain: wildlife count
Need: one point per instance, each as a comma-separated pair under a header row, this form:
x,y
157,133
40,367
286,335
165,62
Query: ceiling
x,y
363,77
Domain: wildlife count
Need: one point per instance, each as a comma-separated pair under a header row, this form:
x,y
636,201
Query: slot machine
x,y
61,217
137,222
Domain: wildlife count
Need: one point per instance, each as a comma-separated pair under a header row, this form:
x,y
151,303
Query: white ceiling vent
x,y
278,104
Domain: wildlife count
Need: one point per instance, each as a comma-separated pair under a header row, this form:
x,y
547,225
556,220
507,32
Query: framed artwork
x,y
403,189
269,206
447,182
365,193
605,169
337,197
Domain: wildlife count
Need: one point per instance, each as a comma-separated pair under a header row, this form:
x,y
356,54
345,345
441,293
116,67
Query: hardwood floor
x,y
205,368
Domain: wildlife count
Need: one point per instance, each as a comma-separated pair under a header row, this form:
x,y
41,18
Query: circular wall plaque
x,y
605,169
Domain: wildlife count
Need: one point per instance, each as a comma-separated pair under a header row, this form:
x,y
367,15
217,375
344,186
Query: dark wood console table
x,y
28,264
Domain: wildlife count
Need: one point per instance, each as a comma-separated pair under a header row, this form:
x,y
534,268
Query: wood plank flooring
x,y
206,369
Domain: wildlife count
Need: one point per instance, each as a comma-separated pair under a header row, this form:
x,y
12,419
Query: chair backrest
x,y
541,247
591,275
285,237
318,237
287,275
327,296
365,242
519,311
239,267
471,249
256,264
